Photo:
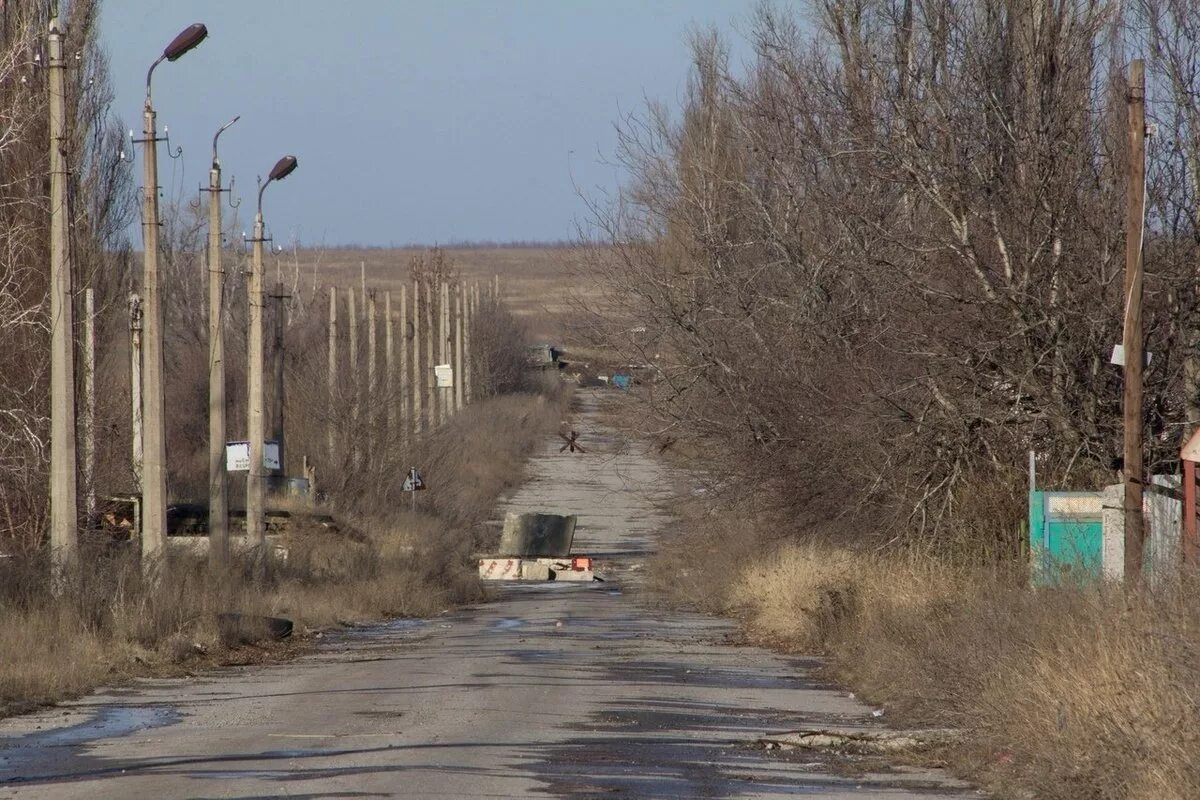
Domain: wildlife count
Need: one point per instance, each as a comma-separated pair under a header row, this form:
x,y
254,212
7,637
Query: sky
x,y
414,121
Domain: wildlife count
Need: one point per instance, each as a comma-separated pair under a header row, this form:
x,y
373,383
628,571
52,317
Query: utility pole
x,y
218,477
471,361
256,523
417,377
458,347
427,378
332,380
445,396
135,387
372,398
89,403
154,453
277,357
256,533
469,296
64,509
154,442
389,365
352,321
403,388
1133,338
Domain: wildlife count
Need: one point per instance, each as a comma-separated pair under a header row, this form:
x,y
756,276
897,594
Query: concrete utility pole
x,y
333,368
89,403
154,454
418,382
372,398
389,364
277,358
458,347
64,509
445,396
403,387
469,297
154,443
427,378
218,477
256,536
1133,337
352,321
135,386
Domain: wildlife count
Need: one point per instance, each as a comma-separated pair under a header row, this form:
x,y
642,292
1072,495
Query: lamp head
x,y
187,39
283,167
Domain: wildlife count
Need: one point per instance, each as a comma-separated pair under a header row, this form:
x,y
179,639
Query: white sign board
x,y
237,456
445,376
1118,356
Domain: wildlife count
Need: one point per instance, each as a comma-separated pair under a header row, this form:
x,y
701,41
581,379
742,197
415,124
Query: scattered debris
x,y
860,742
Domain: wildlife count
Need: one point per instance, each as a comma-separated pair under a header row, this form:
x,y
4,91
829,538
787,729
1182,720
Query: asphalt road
x,y
561,690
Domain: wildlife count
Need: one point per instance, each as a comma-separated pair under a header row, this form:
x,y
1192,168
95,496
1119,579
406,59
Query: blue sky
x,y
412,121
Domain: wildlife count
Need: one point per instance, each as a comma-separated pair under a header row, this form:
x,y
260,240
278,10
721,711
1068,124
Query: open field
x,y
537,282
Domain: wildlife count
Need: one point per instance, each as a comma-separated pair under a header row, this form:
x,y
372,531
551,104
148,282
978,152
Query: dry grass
x,y
111,625
1064,693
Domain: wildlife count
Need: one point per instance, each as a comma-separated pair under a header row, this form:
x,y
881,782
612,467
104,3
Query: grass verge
x,y
1062,693
112,625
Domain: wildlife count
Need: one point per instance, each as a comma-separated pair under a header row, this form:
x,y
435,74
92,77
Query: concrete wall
x,y
1164,518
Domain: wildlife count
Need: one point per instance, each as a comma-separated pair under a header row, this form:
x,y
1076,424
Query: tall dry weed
x,y
1063,693
112,624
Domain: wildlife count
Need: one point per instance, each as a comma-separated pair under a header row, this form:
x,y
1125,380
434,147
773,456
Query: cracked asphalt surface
x,y
560,690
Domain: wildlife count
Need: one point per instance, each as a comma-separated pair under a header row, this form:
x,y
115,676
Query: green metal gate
x,y
1066,536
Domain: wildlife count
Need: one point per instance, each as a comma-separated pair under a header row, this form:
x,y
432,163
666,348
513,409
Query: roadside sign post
x,y
413,484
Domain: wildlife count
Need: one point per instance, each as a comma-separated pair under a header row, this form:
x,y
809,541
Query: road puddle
x,y
28,755
508,624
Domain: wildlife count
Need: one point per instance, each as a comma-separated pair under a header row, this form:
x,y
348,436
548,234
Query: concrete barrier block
x,y
537,535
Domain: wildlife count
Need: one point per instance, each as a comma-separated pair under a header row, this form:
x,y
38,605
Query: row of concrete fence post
x,y
434,331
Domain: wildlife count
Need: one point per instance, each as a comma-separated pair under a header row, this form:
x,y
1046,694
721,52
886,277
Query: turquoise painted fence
x,y
1066,536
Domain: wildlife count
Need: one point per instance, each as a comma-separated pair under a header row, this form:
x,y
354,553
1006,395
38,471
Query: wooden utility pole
x,y
135,386
389,365
458,347
427,377
1133,338
64,509
277,361
333,369
417,382
89,403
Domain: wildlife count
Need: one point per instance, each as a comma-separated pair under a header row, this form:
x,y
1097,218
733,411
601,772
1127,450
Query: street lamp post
x,y
218,478
255,473
63,508
154,449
